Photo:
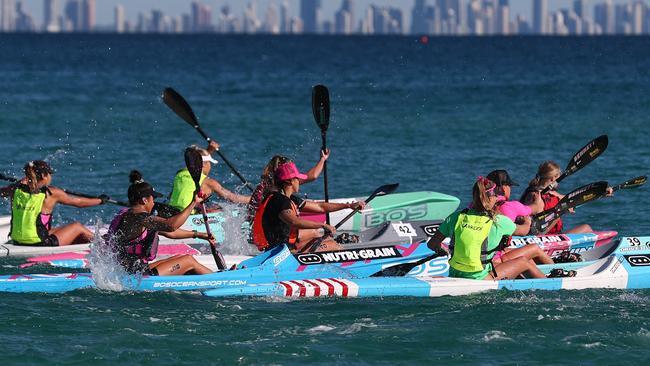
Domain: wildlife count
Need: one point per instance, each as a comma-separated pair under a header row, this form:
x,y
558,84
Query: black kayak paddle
x,y
320,107
179,105
584,156
194,164
590,192
381,191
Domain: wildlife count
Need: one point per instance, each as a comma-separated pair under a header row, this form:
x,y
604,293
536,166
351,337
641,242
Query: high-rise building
x,y
395,21
24,20
73,14
157,24
88,15
604,17
540,16
344,18
310,15
418,17
272,20
7,15
580,8
50,16
119,19
285,21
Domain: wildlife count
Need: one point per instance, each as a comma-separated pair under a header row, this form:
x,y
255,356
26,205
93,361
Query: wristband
x,y
195,234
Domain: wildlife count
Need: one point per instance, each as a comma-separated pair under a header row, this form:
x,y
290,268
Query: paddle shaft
x,y
218,258
327,195
232,168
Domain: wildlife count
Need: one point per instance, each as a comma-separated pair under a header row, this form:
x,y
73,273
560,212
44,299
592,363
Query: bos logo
x,y
309,259
429,230
399,214
197,221
638,260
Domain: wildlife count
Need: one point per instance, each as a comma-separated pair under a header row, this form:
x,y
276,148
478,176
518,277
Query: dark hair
x,y
34,171
135,177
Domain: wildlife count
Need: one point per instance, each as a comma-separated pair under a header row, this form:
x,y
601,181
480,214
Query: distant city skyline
x,y
369,17
106,8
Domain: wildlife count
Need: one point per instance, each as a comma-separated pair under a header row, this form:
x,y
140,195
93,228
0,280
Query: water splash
x,y
107,272
236,230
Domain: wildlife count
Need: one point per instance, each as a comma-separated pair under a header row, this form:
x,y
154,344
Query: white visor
x,y
208,158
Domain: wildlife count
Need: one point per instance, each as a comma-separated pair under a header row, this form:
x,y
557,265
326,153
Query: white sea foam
x,y
495,335
107,272
320,329
357,327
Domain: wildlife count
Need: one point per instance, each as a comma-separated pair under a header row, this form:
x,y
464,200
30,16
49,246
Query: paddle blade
x,y
320,106
179,105
633,183
384,190
583,195
194,164
586,155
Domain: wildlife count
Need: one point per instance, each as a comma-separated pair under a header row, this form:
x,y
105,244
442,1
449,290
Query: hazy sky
x,y
176,7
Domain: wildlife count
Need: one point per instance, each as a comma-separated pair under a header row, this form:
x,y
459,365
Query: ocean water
x,y
431,117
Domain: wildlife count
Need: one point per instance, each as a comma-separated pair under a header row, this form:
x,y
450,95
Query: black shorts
x,y
50,241
139,267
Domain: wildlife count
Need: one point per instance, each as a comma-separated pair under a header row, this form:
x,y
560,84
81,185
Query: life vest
x,y
26,224
259,236
469,242
144,247
183,190
551,201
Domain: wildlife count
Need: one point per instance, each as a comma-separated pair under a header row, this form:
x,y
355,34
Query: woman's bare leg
x,y
513,268
530,251
74,233
584,228
179,265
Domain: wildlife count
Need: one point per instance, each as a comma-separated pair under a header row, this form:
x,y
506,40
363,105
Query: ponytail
x,y
544,171
481,192
36,170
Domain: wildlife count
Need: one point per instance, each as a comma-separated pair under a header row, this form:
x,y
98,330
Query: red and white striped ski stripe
x,y
320,287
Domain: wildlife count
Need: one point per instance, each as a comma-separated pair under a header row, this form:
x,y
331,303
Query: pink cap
x,y
288,171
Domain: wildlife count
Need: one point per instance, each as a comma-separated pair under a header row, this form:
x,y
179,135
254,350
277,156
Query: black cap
x,y
142,190
501,178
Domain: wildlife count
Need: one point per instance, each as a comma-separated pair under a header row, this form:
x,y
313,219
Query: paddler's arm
x,y
290,218
524,228
173,223
7,191
211,185
435,242
69,200
323,207
186,234
314,172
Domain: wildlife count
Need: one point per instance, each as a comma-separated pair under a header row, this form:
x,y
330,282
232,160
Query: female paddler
x,y
133,234
476,234
266,180
277,222
183,189
32,203
547,174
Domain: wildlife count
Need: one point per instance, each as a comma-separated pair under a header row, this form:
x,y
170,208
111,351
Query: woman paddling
x,y
547,173
32,203
277,221
133,234
520,215
183,190
266,183
475,236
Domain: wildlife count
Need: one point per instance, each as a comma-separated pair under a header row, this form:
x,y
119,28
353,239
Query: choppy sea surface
x,y
431,117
